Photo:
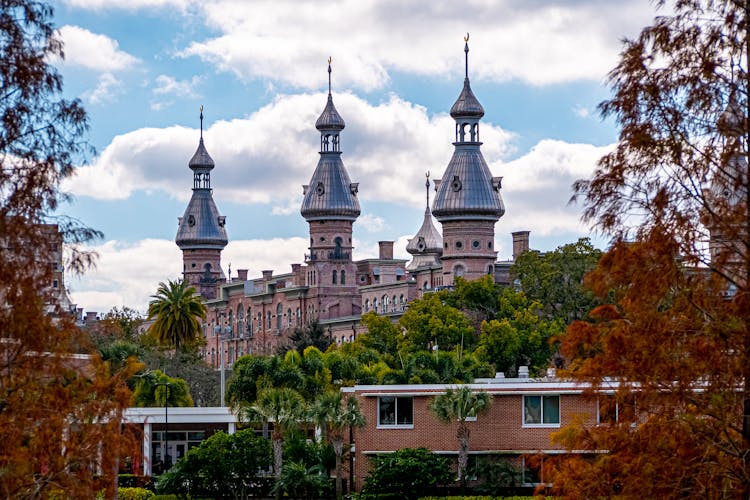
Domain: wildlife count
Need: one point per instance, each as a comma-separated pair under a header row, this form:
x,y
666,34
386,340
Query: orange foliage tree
x,y
668,354
60,408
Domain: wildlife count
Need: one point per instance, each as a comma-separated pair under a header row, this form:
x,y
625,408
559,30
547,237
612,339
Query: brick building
x,y
523,414
256,315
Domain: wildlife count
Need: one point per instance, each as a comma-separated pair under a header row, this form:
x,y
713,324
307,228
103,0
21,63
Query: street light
x,y
167,462
223,332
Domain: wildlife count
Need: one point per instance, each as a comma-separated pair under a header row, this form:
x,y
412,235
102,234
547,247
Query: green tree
x,y
285,408
555,279
382,334
430,322
519,336
300,481
675,328
222,464
311,334
336,416
408,473
456,405
177,311
156,388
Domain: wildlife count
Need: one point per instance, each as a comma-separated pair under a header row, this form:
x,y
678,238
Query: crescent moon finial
x,y
329,59
466,38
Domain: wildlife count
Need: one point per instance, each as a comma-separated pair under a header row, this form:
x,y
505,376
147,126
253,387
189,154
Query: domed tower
x,y
725,214
201,234
426,247
330,207
467,200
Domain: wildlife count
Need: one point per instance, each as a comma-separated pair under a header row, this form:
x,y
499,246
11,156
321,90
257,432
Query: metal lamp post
x,y
223,332
168,463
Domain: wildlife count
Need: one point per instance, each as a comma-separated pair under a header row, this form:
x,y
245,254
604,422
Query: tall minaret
x,y
725,211
330,207
468,201
201,234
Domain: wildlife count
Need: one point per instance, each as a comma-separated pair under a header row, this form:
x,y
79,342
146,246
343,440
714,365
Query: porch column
x,y
146,447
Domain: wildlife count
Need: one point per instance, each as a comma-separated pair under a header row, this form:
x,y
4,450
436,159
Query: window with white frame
x,y
543,410
395,411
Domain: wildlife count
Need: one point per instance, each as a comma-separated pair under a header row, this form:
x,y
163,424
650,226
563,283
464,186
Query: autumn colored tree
x,y
458,405
669,349
59,405
177,310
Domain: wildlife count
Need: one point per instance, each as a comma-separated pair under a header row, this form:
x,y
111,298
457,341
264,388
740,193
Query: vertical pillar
x,y
146,447
231,428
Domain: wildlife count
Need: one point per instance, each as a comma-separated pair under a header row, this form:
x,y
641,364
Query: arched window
x,y
459,271
260,321
240,319
268,320
213,356
402,300
249,321
333,279
230,323
279,316
367,305
299,316
337,252
375,305
385,303
343,277
289,316
394,303
490,269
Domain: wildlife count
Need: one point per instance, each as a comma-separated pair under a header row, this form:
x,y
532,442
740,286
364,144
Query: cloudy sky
x,y
143,68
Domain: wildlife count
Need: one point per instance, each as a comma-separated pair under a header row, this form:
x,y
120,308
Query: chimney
x,y
520,243
267,274
90,317
242,274
386,250
523,372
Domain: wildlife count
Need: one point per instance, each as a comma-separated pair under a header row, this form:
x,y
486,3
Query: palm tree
x,y
335,416
285,408
458,405
177,309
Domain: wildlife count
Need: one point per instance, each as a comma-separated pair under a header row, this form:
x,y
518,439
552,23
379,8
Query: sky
x,y
143,69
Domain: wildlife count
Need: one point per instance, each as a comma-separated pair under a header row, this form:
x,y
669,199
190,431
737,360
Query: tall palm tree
x,y
458,405
177,309
335,416
285,408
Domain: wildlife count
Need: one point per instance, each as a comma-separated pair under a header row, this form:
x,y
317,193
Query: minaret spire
x,y
201,121
466,53
329,75
427,187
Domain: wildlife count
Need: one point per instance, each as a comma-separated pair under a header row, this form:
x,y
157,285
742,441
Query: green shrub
x,y
134,494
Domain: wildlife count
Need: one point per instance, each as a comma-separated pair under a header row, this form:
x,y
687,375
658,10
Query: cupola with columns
x,y
467,201
201,232
330,207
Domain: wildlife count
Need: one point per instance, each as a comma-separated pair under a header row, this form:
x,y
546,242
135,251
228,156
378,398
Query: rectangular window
x,y
541,411
394,411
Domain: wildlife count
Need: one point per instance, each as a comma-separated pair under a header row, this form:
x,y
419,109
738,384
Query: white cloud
x,y
166,84
127,275
127,4
371,223
541,44
266,157
93,51
108,85
537,187
582,112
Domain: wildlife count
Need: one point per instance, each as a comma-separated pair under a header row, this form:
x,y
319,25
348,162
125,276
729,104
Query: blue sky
x,y
143,68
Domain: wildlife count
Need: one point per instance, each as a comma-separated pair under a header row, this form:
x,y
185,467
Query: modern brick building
x,y
523,414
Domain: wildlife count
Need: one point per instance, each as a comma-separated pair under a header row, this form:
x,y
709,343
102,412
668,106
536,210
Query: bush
x,y
407,474
134,494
